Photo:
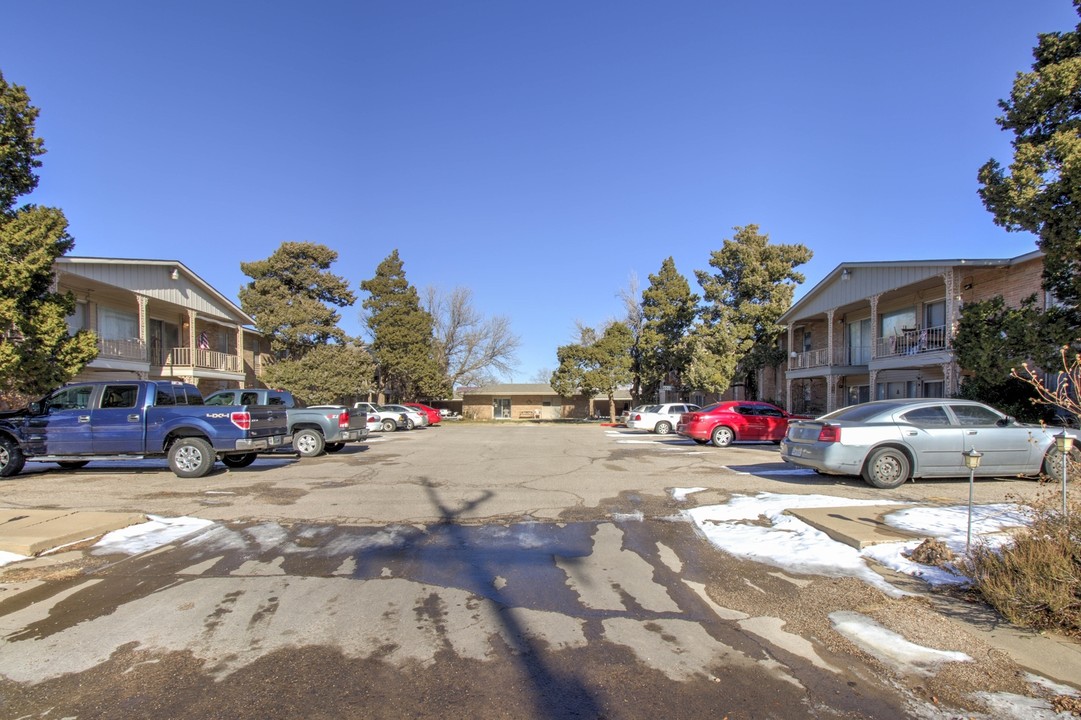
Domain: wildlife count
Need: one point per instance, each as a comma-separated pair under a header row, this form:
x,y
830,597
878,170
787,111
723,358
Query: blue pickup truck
x,y
134,419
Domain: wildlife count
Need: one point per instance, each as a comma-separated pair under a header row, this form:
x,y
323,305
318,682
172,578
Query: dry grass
x,y
1036,581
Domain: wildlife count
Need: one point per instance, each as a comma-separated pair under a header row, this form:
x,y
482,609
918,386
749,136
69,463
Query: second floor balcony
x,y
914,341
203,359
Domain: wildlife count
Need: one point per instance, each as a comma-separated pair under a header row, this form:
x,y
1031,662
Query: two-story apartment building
x,y
877,330
156,319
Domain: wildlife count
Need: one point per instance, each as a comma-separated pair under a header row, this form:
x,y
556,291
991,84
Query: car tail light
x,y
637,417
829,433
343,419
373,418
241,419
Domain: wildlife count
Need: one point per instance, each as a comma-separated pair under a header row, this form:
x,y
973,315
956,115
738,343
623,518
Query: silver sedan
x,y
890,441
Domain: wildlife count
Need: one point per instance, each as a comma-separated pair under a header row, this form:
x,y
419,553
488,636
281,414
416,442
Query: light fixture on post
x,y
175,274
1064,444
972,461
845,274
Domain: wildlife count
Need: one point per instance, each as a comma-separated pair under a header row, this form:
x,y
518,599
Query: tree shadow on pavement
x,y
553,694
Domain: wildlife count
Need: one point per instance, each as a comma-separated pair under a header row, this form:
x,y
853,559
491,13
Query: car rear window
x,y
860,413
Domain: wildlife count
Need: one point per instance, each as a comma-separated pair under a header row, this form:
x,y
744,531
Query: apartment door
x,y
501,408
858,342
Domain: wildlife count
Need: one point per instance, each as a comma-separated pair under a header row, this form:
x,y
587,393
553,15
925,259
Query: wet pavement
x,y
525,603
476,573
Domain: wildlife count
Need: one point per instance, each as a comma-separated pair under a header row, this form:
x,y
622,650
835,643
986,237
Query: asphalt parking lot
x,y
567,544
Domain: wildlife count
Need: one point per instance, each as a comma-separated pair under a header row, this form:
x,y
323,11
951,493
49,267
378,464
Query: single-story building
x,y
534,401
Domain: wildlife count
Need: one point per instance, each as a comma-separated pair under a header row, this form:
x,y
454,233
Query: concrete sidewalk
x,y
29,532
857,526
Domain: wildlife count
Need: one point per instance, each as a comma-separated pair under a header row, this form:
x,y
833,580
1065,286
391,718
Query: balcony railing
x,y
128,349
205,359
913,342
818,358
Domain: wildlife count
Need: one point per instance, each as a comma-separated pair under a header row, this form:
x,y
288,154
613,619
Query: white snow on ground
x,y
681,494
891,648
758,529
154,533
7,558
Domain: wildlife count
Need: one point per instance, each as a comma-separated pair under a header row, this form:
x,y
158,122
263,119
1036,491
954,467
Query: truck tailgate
x,y
267,420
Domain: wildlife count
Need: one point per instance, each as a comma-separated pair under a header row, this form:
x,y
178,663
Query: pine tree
x,y
289,295
668,309
1041,193
752,288
402,335
37,352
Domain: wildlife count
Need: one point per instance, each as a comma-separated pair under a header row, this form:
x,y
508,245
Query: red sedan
x,y
726,422
433,415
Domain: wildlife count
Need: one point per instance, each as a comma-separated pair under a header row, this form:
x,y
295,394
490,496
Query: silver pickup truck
x,y
314,429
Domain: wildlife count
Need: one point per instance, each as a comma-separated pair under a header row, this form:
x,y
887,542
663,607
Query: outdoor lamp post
x,y
972,461
1064,443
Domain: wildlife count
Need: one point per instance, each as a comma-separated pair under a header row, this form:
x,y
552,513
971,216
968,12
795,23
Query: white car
x,y
660,419
413,418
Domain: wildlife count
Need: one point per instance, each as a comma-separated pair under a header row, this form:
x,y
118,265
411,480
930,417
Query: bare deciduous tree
x,y
471,349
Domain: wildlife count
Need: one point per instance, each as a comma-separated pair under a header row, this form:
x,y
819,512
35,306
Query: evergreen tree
x,y
598,365
37,352
402,335
289,295
1041,193
752,288
326,375
668,310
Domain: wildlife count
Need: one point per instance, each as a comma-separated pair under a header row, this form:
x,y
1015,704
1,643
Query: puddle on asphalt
x,y
513,565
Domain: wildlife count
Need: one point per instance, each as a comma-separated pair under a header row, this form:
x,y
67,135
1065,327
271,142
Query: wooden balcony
x,y
132,349
913,342
200,359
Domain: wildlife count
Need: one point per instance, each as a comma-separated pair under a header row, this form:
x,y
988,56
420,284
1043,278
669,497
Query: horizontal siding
x,y
153,281
865,282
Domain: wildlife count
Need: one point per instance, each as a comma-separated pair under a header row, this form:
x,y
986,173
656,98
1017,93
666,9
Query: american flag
x,y
204,341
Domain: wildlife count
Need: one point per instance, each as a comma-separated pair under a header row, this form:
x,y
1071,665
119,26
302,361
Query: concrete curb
x,y
29,532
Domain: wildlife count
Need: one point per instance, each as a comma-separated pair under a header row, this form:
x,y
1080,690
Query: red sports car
x,y
433,415
726,422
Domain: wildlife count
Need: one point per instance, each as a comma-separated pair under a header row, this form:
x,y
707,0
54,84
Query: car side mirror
x,y
34,408
1008,420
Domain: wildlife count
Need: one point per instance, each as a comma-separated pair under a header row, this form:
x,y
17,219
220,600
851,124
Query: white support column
x,y
829,337
192,335
874,328
144,326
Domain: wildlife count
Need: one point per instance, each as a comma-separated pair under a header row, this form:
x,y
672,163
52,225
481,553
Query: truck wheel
x,y
308,442
334,447
239,461
389,425
11,457
191,457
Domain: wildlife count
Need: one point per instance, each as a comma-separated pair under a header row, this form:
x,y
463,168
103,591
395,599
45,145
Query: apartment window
x,y
894,323
934,389
77,319
934,314
117,324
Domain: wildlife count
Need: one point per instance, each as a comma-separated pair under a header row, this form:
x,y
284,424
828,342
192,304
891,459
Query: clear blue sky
x,y
539,153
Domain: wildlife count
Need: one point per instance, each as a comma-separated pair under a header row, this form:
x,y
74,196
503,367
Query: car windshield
x,y
709,408
861,413
651,408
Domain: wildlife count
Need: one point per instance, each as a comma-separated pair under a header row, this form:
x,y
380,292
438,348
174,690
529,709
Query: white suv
x,y
660,419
